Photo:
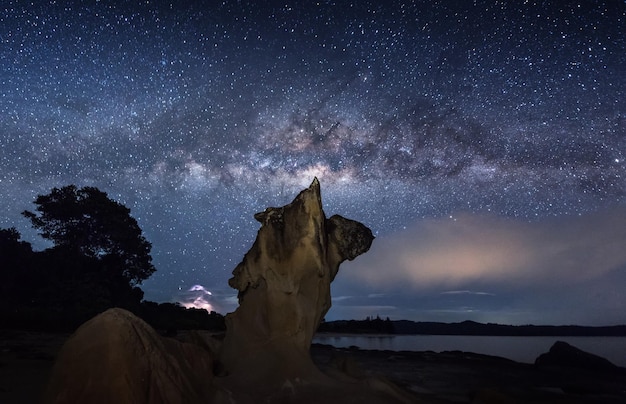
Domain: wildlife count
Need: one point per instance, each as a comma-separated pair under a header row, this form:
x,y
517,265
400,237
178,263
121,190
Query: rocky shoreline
x,y
26,360
465,377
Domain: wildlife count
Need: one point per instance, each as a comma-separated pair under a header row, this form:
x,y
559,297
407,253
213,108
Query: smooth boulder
x,y
117,358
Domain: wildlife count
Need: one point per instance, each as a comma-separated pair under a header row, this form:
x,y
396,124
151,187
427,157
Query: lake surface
x,y
520,349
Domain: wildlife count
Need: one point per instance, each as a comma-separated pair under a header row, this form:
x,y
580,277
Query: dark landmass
x,y
380,326
165,317
172,317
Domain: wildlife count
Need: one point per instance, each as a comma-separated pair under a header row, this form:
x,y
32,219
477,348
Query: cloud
x,y
197,297
478,249
340,298
466,292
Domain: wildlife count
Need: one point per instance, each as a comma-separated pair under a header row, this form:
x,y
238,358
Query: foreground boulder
x,y
118,358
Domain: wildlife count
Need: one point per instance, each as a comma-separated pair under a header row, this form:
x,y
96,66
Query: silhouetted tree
x,y
16,258
12,249
86,222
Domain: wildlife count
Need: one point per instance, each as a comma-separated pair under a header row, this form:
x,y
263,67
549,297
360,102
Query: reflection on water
x,y
521,349
378,342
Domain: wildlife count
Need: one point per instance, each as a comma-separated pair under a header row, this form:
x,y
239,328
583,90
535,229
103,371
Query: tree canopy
x,y
98,258
87,222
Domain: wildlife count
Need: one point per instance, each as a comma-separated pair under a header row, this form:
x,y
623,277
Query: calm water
x,y
520,349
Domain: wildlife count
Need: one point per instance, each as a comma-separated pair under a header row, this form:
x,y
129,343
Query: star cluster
x,y
198,114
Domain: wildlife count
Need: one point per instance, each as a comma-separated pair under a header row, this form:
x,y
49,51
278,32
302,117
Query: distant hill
x,y
379,326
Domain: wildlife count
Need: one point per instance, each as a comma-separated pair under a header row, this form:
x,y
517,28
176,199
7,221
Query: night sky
x,y
483,142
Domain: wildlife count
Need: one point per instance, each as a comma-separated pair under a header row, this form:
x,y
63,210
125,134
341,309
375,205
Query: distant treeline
x,y
377,325
170,317
367,326
163,317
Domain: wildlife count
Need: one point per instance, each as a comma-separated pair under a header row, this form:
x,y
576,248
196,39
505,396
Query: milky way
x,y
198,114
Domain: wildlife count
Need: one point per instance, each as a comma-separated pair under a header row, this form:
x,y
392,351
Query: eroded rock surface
x,y
284,288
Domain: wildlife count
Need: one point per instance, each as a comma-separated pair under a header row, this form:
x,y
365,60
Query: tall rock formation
x,y
284,289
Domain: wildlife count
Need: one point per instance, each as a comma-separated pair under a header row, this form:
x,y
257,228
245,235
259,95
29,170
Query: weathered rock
x,y
562,354
118,358
284,289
